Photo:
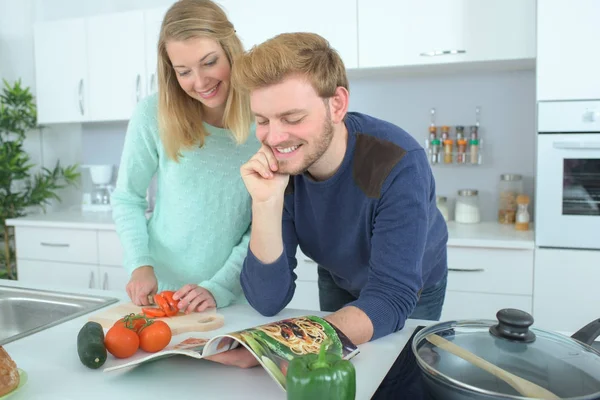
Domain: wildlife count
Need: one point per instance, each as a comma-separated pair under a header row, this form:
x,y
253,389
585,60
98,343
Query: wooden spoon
x,y
523,386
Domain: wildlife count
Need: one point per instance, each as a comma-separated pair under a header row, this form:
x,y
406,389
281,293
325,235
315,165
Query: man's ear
x,y
338,104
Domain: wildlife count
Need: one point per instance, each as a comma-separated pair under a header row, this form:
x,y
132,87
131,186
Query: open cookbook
x,y
274,344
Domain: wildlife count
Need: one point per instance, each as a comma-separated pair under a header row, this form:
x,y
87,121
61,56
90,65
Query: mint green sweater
x,y
200,227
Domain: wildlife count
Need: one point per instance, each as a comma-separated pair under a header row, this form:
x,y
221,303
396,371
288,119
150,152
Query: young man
x,y
354,192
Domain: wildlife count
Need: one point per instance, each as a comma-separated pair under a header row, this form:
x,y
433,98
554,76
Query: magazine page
x,y
274,345
190,346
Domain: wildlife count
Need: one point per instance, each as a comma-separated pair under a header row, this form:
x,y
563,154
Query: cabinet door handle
x,y
105,282
576,145
91,285
81,109
54,244
138,88
466,269
436,53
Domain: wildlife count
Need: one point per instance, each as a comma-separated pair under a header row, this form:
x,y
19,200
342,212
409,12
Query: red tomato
x,y
155,337
121,342
132,321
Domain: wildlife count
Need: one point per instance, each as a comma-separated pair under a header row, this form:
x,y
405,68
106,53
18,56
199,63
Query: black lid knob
x,y
513,325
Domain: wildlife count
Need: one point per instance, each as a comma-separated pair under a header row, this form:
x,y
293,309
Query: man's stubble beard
x,y
320,147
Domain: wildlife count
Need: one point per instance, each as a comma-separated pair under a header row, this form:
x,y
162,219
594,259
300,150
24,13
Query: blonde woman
x,y
197,237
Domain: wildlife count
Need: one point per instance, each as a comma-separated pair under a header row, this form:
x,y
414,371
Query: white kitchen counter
x,y
76,219
489,234
55,372
485,234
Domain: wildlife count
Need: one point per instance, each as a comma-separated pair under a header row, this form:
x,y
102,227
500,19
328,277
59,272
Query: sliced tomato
x,y
153,312
165,301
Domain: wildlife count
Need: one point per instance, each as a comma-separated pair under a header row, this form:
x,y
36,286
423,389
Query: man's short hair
x,y
291,54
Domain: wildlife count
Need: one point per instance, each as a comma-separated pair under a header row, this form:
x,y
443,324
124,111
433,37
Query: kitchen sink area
x,y
26,311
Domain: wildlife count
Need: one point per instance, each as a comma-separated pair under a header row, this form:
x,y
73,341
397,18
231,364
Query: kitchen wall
x,y
507,122
507,101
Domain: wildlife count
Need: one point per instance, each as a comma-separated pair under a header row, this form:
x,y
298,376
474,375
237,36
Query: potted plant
x,y
22,188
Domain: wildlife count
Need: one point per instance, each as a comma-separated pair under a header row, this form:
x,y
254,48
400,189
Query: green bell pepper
x,y
322,376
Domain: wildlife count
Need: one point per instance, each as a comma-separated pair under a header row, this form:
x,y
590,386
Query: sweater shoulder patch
x,y
374,159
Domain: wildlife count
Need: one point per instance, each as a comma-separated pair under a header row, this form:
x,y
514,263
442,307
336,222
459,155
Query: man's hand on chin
x,y
239,357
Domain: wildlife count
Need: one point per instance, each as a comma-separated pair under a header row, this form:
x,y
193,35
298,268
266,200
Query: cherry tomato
x,y
133,321
121,342
155,336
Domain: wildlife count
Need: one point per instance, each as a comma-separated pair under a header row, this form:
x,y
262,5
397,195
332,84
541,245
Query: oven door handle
x,y
576,145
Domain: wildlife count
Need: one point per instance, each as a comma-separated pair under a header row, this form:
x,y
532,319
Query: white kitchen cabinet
x,y
152,23
405,32
48,244
481,281
73,275
78,258
568,57
112,278
116,62
471,305
61,72
336,20
566,295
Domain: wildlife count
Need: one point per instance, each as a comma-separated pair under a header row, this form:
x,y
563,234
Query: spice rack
x,y
458,145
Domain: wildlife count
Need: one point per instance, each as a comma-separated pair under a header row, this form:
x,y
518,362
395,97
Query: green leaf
x,y
20,187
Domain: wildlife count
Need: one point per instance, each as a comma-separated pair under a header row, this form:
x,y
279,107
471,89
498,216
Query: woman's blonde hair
x,y
179,115
300,53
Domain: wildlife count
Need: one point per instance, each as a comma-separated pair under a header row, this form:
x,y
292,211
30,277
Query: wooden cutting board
x,y
181,323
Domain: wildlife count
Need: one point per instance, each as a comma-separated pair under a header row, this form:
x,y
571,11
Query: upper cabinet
x,y
95,69
99,68
116,64
152,23
61,71
336,20
407,32
568,55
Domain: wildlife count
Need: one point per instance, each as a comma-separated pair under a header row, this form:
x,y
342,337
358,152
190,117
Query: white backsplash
x,y
507,122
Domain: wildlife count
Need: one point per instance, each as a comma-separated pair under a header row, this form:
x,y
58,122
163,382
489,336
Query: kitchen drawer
x,y
468,305
110,251
56,244
76,276
487,270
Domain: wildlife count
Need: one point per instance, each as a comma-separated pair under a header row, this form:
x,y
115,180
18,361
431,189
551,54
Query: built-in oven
x,y
567,212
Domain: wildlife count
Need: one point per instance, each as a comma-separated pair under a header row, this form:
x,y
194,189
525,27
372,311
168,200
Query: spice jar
x,y
467,207
445,132
474,151
522,218
448,151
435,151
461,153
509,187
442,205
460,132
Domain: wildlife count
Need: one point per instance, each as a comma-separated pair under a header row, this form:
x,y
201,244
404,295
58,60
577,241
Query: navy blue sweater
x,y
374,225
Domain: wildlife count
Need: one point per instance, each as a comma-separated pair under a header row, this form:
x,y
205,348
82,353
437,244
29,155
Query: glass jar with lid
x,y
467,207
442,205
509,187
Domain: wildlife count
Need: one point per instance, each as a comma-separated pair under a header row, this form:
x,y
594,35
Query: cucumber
x,y
90,345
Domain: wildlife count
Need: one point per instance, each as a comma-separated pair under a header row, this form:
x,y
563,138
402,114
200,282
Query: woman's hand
x,y
194,298
142,284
